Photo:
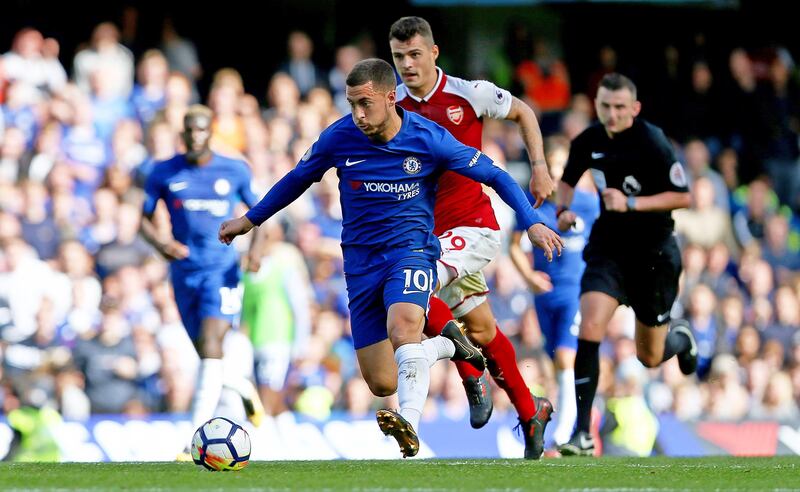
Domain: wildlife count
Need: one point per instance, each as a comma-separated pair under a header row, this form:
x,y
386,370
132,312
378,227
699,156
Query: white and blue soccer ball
x,y
221,445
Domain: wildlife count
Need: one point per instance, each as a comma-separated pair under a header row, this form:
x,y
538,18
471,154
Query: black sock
x,y
587,371
676,343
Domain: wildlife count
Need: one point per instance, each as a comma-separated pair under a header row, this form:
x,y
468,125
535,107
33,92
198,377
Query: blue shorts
x,y
211,293
408,280
559,319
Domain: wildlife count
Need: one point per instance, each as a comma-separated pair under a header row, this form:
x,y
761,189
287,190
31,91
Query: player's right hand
x,y
566,219
543,237
174,250
234,227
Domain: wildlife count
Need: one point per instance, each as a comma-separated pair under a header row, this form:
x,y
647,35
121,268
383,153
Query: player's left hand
x,y
615,200
541,183
253,262
234,227
543,237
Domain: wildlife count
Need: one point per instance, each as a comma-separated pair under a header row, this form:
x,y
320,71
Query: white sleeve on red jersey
x,y
402,92
485,98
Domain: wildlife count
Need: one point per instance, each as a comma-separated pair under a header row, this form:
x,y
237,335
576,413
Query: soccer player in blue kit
x,y
557,287
200,189
388,162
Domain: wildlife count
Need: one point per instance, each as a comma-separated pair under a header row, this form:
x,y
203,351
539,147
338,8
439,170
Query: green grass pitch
x,y
718,473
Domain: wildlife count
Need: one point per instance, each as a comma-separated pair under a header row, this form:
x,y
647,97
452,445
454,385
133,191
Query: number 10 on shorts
x,y
418,281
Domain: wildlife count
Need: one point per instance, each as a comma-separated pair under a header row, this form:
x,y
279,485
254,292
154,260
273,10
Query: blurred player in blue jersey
x,y
201,190
557,286
388,161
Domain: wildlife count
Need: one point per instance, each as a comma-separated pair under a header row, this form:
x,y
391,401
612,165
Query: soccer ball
x,y
221,445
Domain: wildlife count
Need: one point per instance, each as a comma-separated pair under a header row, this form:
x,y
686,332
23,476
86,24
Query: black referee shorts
x,y
645,281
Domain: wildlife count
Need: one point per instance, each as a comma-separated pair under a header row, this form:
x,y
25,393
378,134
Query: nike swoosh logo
x,y
598,155
181,185
414,291
471,351
349,163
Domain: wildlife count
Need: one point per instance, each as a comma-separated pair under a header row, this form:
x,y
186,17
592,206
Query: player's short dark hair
x,y
198,111
374,70
616,81
406,28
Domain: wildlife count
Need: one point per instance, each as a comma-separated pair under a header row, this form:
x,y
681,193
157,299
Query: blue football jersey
x,y
199,199
388,189
567,269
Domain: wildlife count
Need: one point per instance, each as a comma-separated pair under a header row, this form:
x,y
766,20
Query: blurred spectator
x,y
108,359
742,125
283,99
299,66
705,224
150,93
105,54
181,55
545,83
787,319
779,100
701,108
778,402
127,248
33,60
750,221
728,398
698,164
227,129
275,313
346,57
14,157
629,428
775,248
38,227
85,154
704,324
607,61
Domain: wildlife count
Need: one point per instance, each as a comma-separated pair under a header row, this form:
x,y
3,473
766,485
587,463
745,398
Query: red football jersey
x,y
460,105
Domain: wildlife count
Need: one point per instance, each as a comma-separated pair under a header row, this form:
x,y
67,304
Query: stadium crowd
x,y
88,323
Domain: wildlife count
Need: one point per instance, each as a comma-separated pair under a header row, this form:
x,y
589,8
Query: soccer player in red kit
x,y
464,219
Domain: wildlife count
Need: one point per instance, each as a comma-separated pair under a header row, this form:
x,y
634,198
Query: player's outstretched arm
x,y
234,227
171,249
482,169
541,184
538,282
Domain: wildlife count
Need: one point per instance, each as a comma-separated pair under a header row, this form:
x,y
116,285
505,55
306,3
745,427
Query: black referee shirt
x,y
639,161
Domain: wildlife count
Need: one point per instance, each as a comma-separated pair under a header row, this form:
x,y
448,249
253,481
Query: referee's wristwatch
x,y
631,203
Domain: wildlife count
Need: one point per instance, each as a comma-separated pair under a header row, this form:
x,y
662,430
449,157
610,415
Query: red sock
x,y
502,362
438,316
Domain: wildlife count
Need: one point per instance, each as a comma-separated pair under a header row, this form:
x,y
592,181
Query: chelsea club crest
x,y
412,165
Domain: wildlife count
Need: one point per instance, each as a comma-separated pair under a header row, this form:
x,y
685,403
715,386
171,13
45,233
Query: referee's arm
x,y
661,202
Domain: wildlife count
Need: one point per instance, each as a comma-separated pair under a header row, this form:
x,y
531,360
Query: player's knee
x,y
382,388
404,328
649,359
592,330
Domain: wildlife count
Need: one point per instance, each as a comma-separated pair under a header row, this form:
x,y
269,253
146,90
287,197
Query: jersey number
x,y
230,300
422,281
457,243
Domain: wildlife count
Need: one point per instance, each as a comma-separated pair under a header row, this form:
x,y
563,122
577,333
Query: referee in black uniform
x,y
632,257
